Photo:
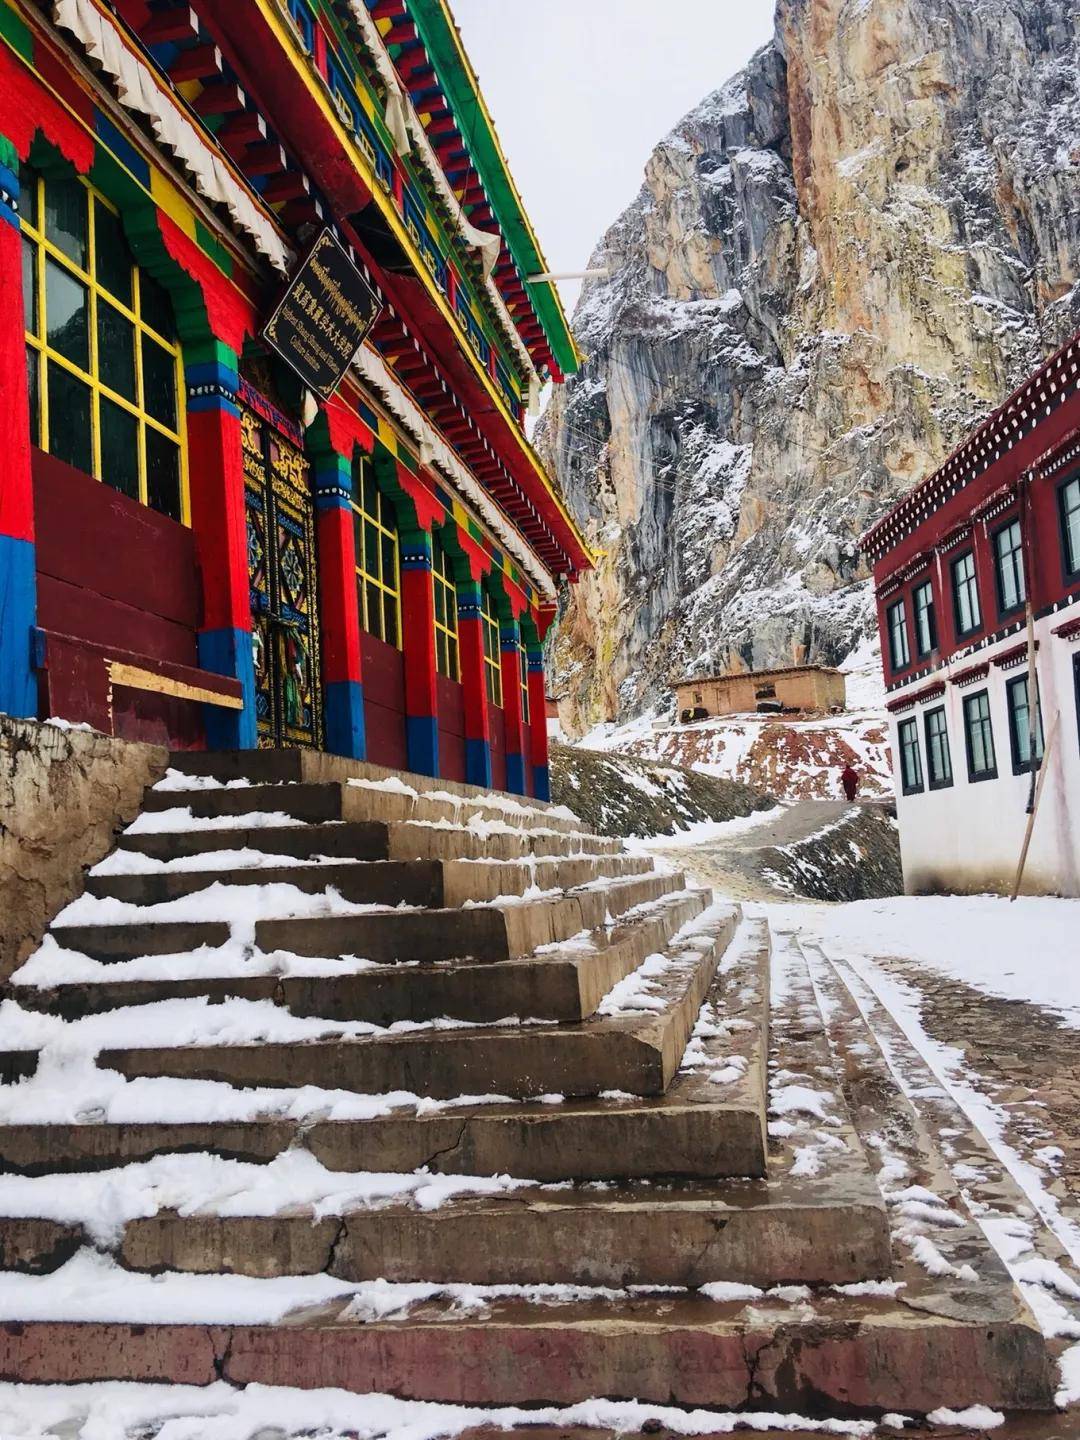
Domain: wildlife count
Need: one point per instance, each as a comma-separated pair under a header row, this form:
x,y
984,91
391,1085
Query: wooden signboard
x,y
323,317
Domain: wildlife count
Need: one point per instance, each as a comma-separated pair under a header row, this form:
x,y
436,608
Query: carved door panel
x,y
282,575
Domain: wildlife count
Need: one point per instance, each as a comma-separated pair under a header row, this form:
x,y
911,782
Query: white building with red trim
x,y
977,577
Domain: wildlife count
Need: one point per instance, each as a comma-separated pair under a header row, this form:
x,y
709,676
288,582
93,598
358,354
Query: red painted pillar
x,y
219,523
474,685
538,732
339,609
509,637
418,636
18,579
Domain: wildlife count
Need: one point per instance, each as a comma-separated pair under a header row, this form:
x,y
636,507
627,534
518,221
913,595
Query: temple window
x,y
378,571
1009,566
1069,500
446,628
979,737
492,657
102,358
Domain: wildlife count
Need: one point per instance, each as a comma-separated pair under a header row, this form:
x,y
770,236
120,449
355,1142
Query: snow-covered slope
x,y
836,263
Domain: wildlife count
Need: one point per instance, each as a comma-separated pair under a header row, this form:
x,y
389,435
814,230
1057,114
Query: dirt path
x,y
735,865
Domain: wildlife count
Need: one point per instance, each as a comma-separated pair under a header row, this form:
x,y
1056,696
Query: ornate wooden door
x,y
282,575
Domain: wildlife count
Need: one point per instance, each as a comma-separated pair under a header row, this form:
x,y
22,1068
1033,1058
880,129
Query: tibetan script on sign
x,y
323,317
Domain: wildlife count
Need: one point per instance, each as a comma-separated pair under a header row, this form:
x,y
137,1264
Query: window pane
x,y
374,610
119,448
69,419
33,387
390,611
388,567
66,218
369,490
371,550
155,307
29,285
1070,503
28,196
159,382
112,259
163,475
116,351
68,314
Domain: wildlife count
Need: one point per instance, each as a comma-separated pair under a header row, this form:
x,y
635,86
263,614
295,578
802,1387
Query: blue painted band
x,y
8,215
536,663
18,606
515,774
541,782
332,500
478,763
228,652
422,743
345,731
212,372
211,400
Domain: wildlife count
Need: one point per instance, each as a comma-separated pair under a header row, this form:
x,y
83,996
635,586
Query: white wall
x,y
967,837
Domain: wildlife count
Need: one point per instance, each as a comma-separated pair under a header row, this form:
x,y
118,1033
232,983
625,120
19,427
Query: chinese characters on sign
x,y
323,317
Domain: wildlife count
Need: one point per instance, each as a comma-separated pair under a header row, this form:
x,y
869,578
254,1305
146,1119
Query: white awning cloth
x,y
139,91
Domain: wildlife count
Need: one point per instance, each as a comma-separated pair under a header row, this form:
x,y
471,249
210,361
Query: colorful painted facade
x,y
977,572
191,549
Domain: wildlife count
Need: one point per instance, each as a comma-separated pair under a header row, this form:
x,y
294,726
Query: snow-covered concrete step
x,y
636,1047
385,801
756,1233
381,882
786,1352
363,840
483,932
565,982
490,931
268,767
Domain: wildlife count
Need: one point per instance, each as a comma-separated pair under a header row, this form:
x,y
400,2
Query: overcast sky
x,y
582,90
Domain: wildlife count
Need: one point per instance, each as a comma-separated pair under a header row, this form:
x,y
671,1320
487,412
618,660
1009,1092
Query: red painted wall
x,y
383,668
117,575
451,697
1047,583
498,747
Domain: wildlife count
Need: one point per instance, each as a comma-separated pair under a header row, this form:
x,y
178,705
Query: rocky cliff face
x,y
836,264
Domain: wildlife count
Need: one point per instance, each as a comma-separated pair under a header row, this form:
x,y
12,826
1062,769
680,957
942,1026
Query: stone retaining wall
x,y
63,795
857,858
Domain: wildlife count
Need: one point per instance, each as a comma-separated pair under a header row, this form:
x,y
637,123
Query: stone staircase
x,y
335,1078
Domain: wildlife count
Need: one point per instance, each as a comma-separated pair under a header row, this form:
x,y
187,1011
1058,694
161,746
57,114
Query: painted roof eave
x,y
437,29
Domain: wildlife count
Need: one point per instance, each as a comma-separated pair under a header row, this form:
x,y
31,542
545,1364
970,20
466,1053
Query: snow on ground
x,y
1028,950
791,759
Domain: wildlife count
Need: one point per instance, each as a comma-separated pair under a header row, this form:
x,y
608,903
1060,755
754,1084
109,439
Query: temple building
x,y
977,573
198,545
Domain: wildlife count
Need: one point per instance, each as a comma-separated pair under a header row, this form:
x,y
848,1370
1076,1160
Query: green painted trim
x,y
213,247
437,30
15,32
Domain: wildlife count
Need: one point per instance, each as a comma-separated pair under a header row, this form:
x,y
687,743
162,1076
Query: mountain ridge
x,y
838,261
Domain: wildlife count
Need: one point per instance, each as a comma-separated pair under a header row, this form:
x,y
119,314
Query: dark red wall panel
x,y
383,669
94,540
451,728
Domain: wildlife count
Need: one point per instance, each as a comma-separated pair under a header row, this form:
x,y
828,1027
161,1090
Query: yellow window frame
x,y
374,515
447,660
489,620
46,356
523,667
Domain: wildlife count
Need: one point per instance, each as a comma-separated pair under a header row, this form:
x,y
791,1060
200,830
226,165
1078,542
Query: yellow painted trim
x,y
134,678
302,64
169,199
